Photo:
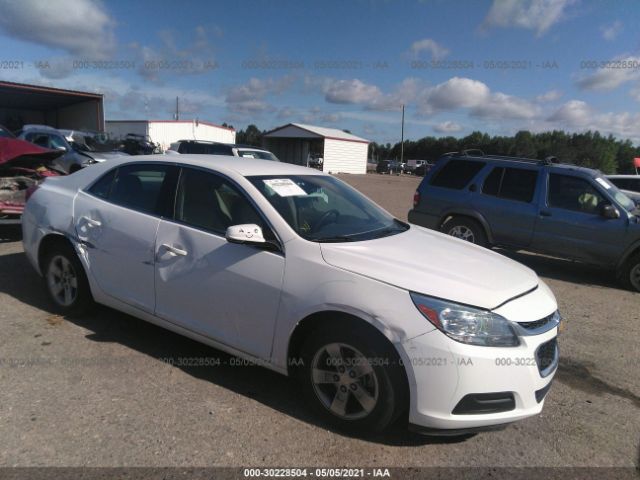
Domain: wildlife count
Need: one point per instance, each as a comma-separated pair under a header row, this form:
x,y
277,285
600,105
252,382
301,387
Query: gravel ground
x,y
97,391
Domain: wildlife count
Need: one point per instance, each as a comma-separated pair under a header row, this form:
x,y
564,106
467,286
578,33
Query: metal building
x,y
165,132
22,104
298,143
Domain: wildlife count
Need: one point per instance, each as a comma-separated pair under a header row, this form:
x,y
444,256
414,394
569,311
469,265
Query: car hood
x,y
435,264
104,156
19,153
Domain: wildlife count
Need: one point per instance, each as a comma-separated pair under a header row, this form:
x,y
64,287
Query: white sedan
x,y
291,268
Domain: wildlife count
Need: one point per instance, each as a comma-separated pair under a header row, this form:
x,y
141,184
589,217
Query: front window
x,y
620,197
324,209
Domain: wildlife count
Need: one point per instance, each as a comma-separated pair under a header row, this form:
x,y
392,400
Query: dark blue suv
x,y
537,205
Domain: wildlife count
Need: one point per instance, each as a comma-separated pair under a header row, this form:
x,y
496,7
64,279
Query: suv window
x,y
208,201
573,193
204,148
133,186
511,183
456,174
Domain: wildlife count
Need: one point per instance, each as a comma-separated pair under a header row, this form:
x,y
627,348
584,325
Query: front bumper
x,y
442,372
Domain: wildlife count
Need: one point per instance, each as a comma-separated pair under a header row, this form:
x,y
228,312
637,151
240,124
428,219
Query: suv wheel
x,y
630,273
65,281
345,386
465,229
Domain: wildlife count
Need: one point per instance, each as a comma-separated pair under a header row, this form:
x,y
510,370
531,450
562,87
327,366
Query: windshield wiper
x,y
333,239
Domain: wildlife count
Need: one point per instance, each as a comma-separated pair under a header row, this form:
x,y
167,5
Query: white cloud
x,y
501,106
574,113
436,50
538,15
611,30
448,127
79,27
550,96
454,93
577,115
251,97
616,72
168,57
351,91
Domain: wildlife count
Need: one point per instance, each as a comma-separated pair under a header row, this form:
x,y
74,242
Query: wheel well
x,y
308,325
49,242
481,224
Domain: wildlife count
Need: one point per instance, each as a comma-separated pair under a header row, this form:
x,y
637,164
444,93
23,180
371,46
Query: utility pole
x,y
177,115
402,138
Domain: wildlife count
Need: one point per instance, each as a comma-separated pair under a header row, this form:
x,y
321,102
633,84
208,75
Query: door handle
x,y
545,213
92,222
173,250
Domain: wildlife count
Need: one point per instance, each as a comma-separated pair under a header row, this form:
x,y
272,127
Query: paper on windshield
x,y
603,182
285,187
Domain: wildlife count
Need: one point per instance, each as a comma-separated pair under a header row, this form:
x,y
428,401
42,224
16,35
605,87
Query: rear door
x,y
117,219
507,198
570,223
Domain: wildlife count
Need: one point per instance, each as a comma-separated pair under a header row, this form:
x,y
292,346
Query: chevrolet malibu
x,y
293,269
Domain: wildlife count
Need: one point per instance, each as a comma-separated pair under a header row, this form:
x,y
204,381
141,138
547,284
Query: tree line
x,y
589,149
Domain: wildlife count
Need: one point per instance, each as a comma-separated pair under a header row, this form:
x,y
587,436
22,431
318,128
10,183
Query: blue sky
x,y
496,66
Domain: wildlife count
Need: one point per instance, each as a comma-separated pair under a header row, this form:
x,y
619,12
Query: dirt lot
x,y
98,391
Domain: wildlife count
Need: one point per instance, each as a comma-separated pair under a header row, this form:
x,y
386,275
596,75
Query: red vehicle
x,y
23,166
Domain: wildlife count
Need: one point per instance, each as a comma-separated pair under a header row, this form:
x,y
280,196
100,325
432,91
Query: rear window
x,y
204,148
511,183
456,174
626,183
136,187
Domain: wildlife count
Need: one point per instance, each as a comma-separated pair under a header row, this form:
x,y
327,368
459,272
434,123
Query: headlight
x,y
467,324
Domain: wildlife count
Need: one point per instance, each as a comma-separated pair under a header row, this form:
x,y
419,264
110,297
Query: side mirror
x,y
249,233
62,148
609,212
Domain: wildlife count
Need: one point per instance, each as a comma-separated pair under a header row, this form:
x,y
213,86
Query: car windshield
x,y
323,209
619,196
257,154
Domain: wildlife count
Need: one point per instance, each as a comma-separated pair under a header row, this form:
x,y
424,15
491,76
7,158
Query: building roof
x,y
36,97
173,121
324,132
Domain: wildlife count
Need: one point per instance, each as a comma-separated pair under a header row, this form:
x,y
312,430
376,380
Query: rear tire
x,y
65,281
352,378
630,272
465,228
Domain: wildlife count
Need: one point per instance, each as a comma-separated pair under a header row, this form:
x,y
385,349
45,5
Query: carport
x,y
22,104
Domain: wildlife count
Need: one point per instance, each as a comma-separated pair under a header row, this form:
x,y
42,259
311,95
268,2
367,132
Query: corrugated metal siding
x,y
345,157
165,133
121,129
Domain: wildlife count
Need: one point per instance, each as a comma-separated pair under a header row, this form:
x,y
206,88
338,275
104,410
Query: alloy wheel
x,y
344,381
462,232
62,280
634,277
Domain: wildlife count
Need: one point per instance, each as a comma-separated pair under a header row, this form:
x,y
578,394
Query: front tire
x,y
353,378
630,273
65,281
465,229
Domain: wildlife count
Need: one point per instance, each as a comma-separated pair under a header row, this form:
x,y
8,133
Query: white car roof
x,y
224,164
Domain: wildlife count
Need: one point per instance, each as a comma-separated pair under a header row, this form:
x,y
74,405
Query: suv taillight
x,y
416,199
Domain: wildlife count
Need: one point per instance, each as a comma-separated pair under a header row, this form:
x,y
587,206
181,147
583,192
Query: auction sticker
x,y
285,187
